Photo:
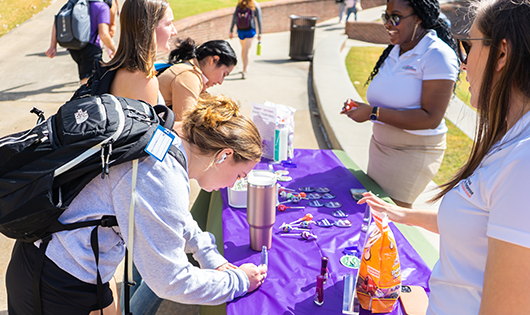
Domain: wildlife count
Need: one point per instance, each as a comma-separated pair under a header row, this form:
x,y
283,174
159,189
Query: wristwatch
x,y
375,113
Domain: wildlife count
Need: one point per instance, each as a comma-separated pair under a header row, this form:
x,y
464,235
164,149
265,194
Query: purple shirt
x,y
99,13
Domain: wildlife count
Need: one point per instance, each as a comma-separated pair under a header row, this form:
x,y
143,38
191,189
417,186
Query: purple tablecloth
x,y
294,263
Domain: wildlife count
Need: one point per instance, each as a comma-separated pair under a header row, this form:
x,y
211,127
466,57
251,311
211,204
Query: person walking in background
x,y
247,16
114,12
195,69
341,6
99,29
352,7
411,85
484,214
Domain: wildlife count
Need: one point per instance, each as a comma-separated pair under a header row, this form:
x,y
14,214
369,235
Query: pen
x,y
264,256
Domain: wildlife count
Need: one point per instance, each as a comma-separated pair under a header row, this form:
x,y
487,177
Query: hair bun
x,y
216,124
213,112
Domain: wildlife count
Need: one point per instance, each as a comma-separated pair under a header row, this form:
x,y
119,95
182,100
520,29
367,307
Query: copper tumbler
x,y
261,208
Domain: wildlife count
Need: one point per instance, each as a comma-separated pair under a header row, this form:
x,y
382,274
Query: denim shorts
x,y
246,34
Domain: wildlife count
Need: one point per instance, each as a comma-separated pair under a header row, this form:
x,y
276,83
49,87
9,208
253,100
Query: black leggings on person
x,y
61,293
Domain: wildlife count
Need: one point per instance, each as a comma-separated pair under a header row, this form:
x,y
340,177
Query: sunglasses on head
x,y
394,19
464,46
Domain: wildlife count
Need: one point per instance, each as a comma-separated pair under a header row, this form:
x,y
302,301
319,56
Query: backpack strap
x,y
129,253
105,221
37,270
178,155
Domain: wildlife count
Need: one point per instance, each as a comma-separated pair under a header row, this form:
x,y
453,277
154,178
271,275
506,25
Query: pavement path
x,y
31,79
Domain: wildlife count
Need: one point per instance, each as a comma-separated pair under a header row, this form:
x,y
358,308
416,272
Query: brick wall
x,y
275,17
367,4
373,32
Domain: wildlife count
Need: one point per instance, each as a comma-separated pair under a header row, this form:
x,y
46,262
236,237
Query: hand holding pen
x,y
264,256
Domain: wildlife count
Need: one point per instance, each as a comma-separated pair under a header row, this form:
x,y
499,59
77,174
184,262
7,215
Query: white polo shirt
x,y
398,84
492,202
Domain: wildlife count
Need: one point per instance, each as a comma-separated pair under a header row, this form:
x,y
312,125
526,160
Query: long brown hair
x,y
216,124
137,46
244,4
498,20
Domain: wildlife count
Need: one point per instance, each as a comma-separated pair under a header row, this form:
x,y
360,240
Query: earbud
x,y
222,159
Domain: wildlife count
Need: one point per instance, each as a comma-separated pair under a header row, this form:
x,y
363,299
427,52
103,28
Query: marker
x,y
264,256
324,268
319,294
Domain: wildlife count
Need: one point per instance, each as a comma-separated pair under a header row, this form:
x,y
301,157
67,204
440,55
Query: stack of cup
x,y
261,207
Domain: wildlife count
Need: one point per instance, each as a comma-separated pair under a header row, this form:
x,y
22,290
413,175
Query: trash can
x,y
302,37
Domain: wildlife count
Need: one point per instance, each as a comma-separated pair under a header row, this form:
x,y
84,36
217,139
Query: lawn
x,y
360,62
15,12
185,8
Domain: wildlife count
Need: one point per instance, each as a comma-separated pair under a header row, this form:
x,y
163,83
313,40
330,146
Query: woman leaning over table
x,y
410,88
483,219
195,69
218,145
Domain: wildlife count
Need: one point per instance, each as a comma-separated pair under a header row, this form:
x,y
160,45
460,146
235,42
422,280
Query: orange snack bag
x,y
379,281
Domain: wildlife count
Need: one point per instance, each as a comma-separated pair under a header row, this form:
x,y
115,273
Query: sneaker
x,y
243,75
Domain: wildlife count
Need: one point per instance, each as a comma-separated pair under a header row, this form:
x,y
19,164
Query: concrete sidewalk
x,y
31,79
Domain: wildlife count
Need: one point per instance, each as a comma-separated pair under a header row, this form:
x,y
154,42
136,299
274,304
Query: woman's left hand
x,y
225,266
361,113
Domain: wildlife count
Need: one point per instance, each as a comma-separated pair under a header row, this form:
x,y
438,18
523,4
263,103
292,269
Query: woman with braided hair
x,y
411,85
195,69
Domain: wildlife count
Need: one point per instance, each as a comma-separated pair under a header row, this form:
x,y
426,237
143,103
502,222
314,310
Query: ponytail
x,y
187,49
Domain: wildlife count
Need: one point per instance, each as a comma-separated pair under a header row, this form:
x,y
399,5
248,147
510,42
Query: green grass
x,y
462,89
457,153
185,8
360,62
15,12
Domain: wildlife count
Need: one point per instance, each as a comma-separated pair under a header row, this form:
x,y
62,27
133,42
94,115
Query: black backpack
x,y
43,169
98,83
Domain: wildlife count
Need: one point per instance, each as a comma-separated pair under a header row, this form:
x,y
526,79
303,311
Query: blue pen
x,y
264,256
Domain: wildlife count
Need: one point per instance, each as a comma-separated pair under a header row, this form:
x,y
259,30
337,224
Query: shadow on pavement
x,y
316,119
276,61
325,25
59,53
331,29
9,95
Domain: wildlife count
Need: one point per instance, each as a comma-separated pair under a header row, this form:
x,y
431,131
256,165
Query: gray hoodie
x,y
164,231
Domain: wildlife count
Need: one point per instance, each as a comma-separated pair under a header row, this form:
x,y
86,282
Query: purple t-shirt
x,y
99,13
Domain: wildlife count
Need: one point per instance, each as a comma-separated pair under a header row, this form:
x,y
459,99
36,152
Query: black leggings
x,y
61,293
